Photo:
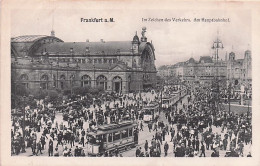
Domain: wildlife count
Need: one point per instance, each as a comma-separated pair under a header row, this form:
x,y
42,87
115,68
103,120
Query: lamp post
x,y
94,72
161,95
217,44
248,108
23,128
51,72
229,94
71,79
40,93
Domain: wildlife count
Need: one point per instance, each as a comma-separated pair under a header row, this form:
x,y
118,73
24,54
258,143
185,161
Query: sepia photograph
x,y
102,82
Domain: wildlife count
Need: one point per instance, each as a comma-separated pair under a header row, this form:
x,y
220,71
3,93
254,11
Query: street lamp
x,y
71,78
229,94
248,108
94,78
217,44
23,128
161,95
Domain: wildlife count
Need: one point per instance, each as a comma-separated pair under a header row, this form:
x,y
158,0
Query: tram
x,y
108,137
169,101
150,111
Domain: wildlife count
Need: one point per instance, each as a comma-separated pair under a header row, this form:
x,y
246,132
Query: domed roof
x,y
136,38
206,59
191,60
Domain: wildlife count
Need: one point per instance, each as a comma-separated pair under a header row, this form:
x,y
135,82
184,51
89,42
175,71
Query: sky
x,y
173,41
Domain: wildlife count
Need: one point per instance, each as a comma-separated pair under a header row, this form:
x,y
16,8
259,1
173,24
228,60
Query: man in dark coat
x,y
166,147
172,134
202,148
137,152
225,142
50,147
146,146
39,148
60,136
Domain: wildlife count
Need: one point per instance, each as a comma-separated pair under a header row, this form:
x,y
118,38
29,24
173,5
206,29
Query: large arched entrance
x,y
85,81
117,84
148,66
44,82
102,82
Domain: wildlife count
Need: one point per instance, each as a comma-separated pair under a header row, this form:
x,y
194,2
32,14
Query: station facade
x,y
47,62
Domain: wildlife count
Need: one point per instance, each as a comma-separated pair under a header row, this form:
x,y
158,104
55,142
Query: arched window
x,y
72,80
147,59
102,82
44,81
85,81
24,80
62,81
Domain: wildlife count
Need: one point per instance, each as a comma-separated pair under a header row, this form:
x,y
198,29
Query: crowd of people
x,y
43,131
199,126
189,129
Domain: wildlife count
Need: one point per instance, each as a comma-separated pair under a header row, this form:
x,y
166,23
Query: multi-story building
x,y
47,62
237,71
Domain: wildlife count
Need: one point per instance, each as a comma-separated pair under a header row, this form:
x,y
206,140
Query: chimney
x,y
87,40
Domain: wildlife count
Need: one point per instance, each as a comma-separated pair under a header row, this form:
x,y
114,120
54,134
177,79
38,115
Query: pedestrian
x,y
150,126
116,152
225,142
56,153
82,153
50,148
241,147
197,144
141,126
60,136
82,141
146,145
34,146
202,148
172,134
72,140
43,142
137,152
39,148
76,152
166,147
155,127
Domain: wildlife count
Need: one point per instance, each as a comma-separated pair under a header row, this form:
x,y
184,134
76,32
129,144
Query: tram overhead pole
x,y
217,44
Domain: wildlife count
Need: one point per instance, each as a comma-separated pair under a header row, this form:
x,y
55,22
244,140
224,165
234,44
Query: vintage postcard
x,y
108,82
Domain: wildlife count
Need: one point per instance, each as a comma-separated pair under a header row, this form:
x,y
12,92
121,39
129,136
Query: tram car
x,y
150,111
109,137
169,101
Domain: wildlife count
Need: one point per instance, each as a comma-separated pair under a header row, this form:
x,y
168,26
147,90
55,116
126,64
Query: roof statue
x,y
143,38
